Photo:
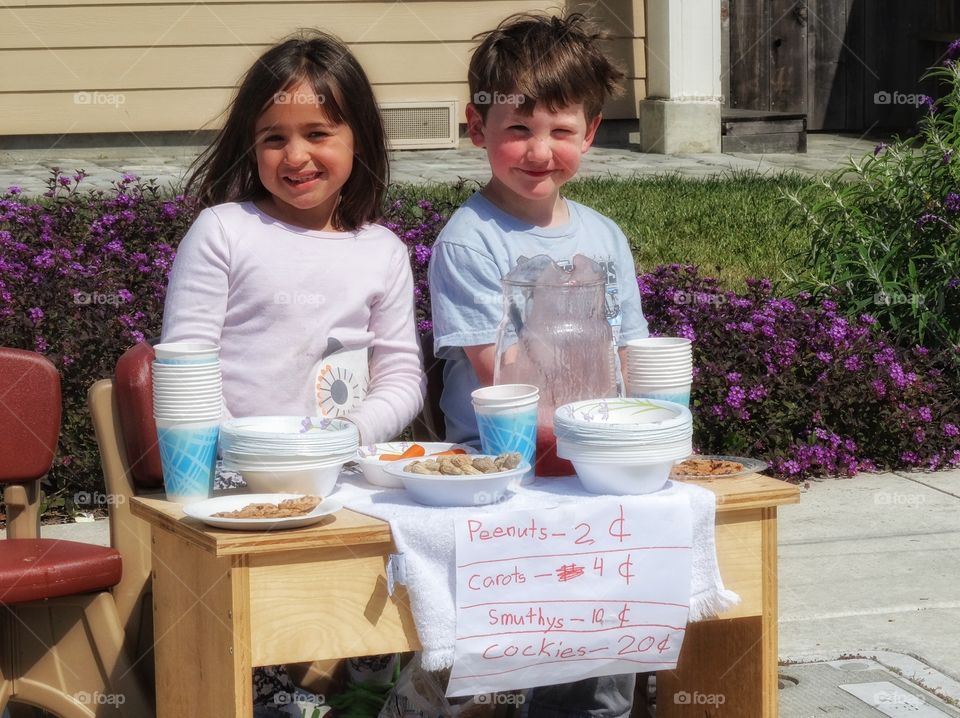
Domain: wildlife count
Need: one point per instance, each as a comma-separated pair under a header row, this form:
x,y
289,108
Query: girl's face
x,y
303,158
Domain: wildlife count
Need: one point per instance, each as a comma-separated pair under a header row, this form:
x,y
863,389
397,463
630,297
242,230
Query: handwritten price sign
x,y
557,595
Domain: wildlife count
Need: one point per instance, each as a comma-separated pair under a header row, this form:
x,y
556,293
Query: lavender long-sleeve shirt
x,y
308,322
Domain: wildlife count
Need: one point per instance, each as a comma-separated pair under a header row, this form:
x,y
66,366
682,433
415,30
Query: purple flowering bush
x,y
797,383
886,233
82,278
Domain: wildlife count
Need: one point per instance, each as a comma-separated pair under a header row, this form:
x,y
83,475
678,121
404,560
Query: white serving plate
x,y
204,510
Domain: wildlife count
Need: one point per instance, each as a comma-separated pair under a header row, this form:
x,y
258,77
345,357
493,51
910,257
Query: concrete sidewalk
x,y
30,168
868,567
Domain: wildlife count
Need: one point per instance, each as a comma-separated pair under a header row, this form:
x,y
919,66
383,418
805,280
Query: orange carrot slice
x,y
449,452
412,452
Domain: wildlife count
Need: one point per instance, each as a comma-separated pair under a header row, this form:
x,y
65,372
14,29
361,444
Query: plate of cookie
x,y
716,466
262,512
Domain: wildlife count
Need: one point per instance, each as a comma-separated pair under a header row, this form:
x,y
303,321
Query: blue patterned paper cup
x,y
679,394
186,353
188,455
507,420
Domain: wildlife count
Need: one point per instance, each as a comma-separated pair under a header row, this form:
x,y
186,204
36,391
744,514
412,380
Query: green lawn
x,y
733,226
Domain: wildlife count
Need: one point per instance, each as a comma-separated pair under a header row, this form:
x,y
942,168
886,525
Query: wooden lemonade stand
x,y
226,601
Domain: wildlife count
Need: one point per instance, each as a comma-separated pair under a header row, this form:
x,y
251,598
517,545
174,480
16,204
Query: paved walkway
x,y
29,169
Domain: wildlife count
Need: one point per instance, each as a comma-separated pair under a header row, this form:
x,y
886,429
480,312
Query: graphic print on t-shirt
x,y
341,379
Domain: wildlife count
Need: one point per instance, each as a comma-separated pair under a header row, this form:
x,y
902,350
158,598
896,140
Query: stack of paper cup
x,y
507,420
187,405
660,368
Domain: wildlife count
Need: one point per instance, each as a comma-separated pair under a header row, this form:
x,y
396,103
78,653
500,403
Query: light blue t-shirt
x,y
480,245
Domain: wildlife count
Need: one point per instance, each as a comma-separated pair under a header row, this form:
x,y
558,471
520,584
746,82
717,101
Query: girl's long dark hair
x,y
227,170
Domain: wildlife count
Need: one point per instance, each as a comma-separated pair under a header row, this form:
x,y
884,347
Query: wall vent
x,y
420,125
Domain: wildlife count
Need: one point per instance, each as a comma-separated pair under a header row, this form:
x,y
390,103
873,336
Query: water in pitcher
x,y
555,335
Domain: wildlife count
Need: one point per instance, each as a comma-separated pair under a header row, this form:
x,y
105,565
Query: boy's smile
x,y
531,156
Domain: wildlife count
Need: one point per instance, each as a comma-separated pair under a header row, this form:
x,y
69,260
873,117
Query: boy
x,y
538,84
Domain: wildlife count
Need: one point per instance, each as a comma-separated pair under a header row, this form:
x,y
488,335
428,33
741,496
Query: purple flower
x,y
14,189
125,294
825,357
953,50
879,148
952,202
947,156
422,253
909,457
36,314
953,283
64,181
926,218
879,388
735,397
733,377
853,363
928,102
925,414
950,430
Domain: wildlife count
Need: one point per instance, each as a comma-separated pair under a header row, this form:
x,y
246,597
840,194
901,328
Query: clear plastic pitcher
x,y
555,335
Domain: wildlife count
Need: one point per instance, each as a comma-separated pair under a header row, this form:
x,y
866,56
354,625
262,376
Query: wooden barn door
x,y
835,60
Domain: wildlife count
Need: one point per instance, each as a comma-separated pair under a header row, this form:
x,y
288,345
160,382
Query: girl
x,y
310,302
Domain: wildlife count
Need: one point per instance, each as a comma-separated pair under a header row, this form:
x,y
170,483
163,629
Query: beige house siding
x,y
149,65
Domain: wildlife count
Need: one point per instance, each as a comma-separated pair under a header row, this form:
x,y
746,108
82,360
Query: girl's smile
x,y
303,159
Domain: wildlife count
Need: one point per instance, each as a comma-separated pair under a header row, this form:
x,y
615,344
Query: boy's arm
x,y
481,358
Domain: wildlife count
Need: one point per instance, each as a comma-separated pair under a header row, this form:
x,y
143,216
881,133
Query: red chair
x,y
61,641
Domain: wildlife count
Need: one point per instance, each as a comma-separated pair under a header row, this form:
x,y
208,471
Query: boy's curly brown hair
x,y
544,58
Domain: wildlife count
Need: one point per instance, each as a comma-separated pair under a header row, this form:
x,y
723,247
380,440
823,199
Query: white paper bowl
x,y
373,467
317,480
471,490
608,478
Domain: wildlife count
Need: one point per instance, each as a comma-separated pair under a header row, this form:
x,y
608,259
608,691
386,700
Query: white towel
x,y
425,537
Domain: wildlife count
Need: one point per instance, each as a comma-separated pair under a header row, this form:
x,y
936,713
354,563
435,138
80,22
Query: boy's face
x,y
532,156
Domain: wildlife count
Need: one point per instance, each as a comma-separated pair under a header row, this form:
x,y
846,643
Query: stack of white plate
x,y
288,453
623,446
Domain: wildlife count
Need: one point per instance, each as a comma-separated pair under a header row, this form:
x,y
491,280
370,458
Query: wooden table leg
x,y
201,631
728,667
